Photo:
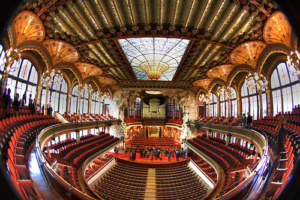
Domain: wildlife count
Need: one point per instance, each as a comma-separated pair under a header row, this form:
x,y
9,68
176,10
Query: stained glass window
x,y
95,103
21,80
57,96
145,53
285,88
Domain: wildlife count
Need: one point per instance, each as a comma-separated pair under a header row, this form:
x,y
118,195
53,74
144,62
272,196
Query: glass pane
x,y
275,80
245,105
234,108
233,91
264,98
31,90
15,73
33,78
56,86
293,73
74,102
287,99
25,68
244,91
12,85
54,101
222,109
21,88
74,90
296,94
276,94
253,107
283,74
62,103
2,59
64,86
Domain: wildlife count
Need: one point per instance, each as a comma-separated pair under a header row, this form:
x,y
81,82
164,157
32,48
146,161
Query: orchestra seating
x,y
178,182
17,134
123,181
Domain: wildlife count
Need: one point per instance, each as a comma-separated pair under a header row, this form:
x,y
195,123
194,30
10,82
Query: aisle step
x,y
150,193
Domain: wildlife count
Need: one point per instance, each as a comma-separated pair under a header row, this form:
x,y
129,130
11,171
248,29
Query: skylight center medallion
x,y
154,58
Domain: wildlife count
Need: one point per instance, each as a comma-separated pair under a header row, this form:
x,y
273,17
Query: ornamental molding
x,y
237,69
72,67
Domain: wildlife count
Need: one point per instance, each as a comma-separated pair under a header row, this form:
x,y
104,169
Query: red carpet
x,y
138,159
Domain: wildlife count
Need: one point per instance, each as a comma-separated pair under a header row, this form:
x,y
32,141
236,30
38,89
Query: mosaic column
x,y
39,94
69,103
229,108
219,106
239,105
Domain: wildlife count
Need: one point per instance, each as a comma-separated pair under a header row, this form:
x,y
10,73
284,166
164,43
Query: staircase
x,y
150,193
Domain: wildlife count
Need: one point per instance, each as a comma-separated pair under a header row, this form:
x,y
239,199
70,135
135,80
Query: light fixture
x,y
153,92
205,98
293,60
154,70
85,88
49,80
260,81
225,92
105,94
11,56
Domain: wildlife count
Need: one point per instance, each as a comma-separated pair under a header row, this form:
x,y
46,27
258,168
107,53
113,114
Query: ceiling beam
x,y
50,3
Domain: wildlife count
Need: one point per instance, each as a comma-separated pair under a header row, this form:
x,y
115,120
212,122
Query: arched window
x,y
74,99
251,101
233,102
84,107
21,80
173,107
285,89
57,95
95,103
213,107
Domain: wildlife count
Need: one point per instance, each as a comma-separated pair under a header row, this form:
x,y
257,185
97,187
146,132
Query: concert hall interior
x,y
152,99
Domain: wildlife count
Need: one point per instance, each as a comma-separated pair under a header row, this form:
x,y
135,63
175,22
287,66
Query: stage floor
x,y
143,160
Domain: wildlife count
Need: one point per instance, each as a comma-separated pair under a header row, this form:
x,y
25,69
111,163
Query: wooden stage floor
x,y
149,161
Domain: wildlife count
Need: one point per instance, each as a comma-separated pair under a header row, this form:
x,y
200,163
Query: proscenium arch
x,y
213,83
93,79
72,67
32,45
269,50
237,69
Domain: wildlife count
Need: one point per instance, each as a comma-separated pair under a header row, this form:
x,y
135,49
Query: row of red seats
x,y
82,157
229,150
76,152
218,158
233,161
206,167
65,150
19,144
242,150
282,173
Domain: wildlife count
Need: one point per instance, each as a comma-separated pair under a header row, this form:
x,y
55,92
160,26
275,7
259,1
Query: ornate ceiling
x,y
91,34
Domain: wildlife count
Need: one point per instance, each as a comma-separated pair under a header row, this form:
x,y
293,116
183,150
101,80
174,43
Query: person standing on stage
x,y
177,154
160,155
169,155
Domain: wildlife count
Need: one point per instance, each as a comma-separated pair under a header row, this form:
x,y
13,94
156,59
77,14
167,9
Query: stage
x,y
138,160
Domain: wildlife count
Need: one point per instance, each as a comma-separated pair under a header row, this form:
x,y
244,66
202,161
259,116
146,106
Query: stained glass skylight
x,y
154,57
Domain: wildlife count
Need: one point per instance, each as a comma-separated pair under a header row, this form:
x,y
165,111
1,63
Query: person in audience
x,y
38,109
16,104
151,153
24,98
134,155
281,137
3,97
249,120
183,154
7,103
244,121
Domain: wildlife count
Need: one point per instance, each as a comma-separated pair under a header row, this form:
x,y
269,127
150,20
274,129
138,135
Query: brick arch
x,y
32,45
269,50
237,69
72,67
93,79
213,83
